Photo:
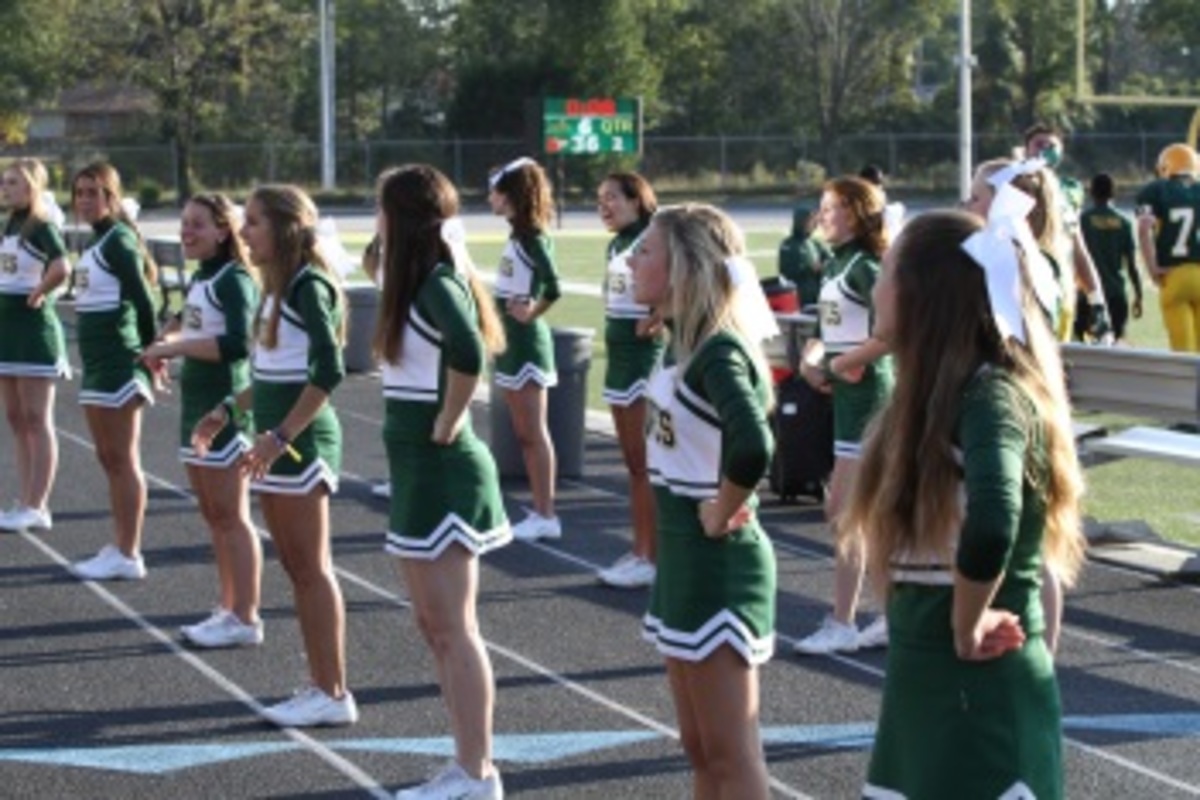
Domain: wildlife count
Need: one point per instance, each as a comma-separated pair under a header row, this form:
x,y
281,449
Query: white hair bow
x,y
332,250
507,168
1015,170
996,248
454,234
751,311
54,212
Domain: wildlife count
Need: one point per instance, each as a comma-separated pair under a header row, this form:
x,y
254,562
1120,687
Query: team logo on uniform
x,y
506,267
617,283
662,427
8,263
831,313
81,278
192,317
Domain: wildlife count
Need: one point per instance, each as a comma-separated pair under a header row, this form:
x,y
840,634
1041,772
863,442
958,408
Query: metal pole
x,y
328,159
966,61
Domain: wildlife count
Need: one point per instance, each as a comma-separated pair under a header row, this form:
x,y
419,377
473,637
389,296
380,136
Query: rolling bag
x,y
803,426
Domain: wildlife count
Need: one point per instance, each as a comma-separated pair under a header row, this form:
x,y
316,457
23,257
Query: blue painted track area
x,y
99,699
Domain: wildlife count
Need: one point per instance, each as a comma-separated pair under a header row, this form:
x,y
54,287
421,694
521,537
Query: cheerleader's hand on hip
x,y
520,309
716,525
36,299
649,327
446,430
268,447
207,428
996,633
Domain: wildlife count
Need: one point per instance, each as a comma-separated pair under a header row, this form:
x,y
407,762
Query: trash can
x,y
566,410
362,301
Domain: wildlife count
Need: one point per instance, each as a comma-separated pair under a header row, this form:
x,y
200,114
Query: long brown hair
x,y
292,216
528,191
865,202
108,180
415,200
905,499
225,217
634,187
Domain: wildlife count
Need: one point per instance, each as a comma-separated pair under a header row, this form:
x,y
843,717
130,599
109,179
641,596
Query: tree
x,y
195,56
33,60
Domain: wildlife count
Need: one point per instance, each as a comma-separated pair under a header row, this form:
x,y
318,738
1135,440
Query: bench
x,y
1158,384
172,274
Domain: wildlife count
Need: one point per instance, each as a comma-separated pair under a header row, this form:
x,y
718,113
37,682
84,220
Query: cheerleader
x,y
213,336
633,341
712,607
436,329
295,457
969,486
115,323
33,264
526,286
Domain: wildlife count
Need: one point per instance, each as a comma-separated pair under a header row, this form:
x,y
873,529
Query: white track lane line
x,y
339,763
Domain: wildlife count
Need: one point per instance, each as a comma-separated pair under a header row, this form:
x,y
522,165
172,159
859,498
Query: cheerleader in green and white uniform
x,y
969,488
33,264
712,609
213,336
115,323
633,342
294,461
526,286
437,326
852,363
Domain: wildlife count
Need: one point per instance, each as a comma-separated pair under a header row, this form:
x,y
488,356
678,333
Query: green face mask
x,y
1052,156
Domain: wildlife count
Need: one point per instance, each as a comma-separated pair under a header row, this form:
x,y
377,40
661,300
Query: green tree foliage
x,y
34,61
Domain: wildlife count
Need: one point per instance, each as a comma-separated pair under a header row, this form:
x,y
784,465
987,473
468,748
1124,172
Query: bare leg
x,y
40,441
225,505
630,422
849,561
443,594
527,408
116,433
299,526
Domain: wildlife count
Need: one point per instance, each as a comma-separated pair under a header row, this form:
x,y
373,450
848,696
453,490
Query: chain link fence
x,y
914,162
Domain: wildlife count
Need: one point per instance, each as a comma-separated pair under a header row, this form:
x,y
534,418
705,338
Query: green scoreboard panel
x,y
582,127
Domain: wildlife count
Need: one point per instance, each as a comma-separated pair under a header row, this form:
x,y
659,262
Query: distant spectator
x,y
1109,237
802,257
893,212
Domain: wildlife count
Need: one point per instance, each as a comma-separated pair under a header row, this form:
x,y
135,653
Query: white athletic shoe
x,y
223,629
874,635
629,572
453,783
535,527
831,637
310,707
24,518
383,490
110,564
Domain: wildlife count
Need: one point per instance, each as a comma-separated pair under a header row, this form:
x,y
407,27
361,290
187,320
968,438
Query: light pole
x,y
966,62
328,160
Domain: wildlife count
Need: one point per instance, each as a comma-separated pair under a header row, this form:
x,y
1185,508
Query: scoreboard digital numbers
x,y
591,126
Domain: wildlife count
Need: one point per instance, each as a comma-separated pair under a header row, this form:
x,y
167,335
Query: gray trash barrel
x,y
566,410
362,299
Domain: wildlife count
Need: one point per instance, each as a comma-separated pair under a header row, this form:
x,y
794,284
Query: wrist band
x,y
285,444
234,413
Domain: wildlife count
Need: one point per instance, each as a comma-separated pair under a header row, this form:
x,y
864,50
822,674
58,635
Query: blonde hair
x,y
33,172
1045,220
906,497
293,218
700,239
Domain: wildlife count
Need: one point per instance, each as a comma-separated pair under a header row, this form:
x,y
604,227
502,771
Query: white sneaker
x,y
223,629
831,637
630,572
382,489
24,518
874,635
453,783
310,707
535,527
110,564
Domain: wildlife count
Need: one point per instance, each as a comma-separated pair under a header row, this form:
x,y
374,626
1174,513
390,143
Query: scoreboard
x,y
591,126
